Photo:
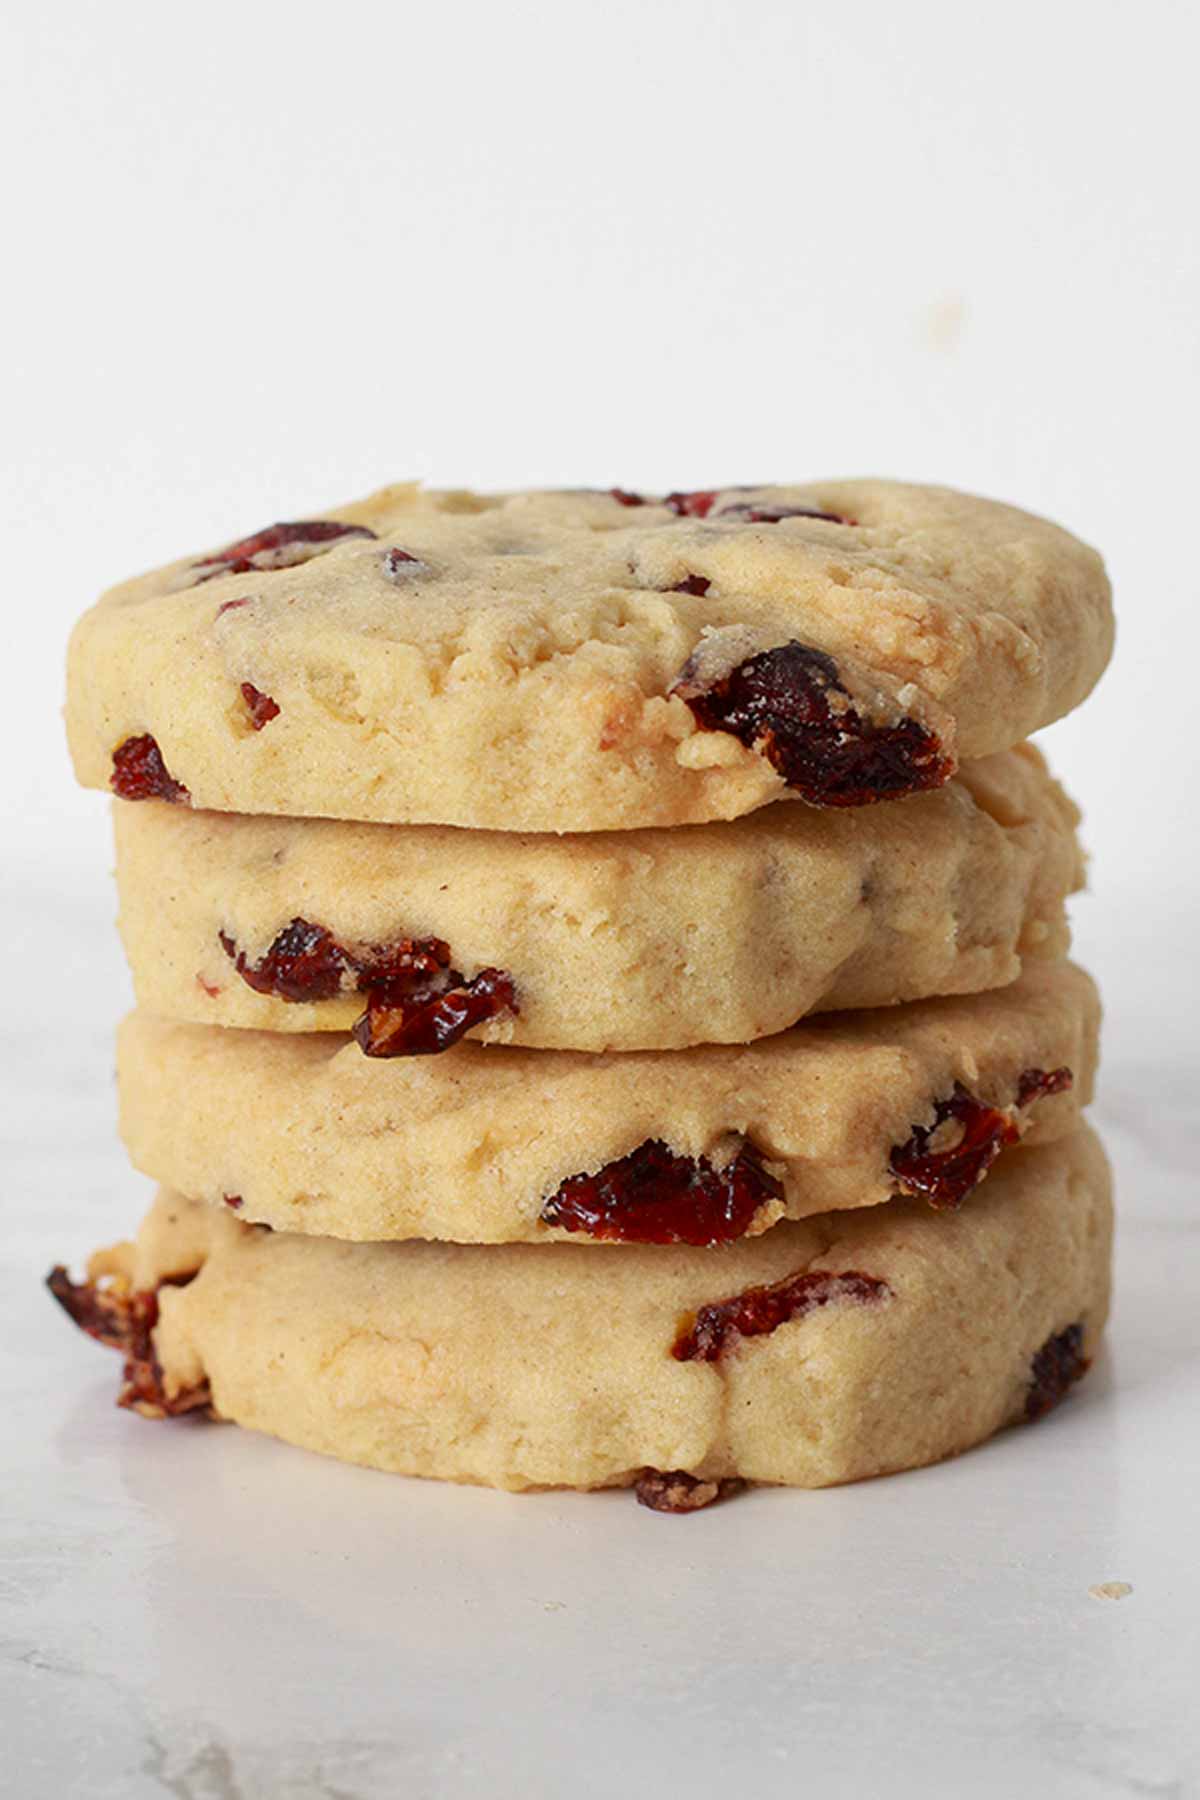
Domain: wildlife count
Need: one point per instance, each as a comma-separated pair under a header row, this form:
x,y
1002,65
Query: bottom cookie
x,y
843,1346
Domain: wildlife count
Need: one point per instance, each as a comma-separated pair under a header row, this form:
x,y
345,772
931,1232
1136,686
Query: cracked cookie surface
x,y
627,941
827,1351
579,661
489,1145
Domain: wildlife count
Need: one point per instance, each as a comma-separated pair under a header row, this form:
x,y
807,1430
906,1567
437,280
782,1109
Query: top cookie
x,y
589,661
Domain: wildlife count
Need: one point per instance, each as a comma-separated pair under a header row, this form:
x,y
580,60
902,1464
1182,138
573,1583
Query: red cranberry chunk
x,y
139,773
675,1491
945,1177
118,1321
772,515
402,565
409,968
1036,1084
305,963
695,505
693,584
401,981
233,1201
125,1322
652,1196
624,497
758,1311
790,704
417,1005
1058,1364
424,1024
231,606
276,547
260,706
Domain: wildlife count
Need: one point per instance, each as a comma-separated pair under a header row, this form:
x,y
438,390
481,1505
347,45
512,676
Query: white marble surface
x,y
195,1612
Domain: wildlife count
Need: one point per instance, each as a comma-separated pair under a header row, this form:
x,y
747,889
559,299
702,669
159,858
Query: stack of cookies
x,y
603,1015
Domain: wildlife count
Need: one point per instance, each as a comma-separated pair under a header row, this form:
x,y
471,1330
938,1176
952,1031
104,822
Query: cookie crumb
x,y
943,322
1110,1590
675,1491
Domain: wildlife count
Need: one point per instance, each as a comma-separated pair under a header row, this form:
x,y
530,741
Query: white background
x,y
261,258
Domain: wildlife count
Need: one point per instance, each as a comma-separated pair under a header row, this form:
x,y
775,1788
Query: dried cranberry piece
x,y
1058,1364
401,565
261,707
624,497
407,969
1036,1084
276,547
119,1321
417,1004
695,505
304,963
233,1200
946,1177
790,704
772,515
761,1310
139,773
652,1196
675,1491
126,1322
423,1024
230,606
693,584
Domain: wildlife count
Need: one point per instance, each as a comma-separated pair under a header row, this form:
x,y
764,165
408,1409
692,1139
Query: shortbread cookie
x,y
826,1351
589,661
637,940
696,1146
